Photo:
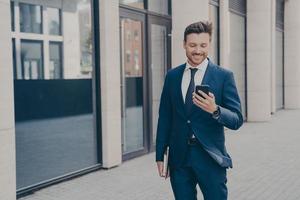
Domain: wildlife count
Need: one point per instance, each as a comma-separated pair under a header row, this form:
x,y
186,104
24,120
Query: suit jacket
x,y
174,125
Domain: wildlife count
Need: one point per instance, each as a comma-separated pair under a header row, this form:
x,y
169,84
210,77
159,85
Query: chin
x,y
198,62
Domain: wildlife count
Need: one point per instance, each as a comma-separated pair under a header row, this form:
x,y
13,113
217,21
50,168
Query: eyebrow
x,y
198,43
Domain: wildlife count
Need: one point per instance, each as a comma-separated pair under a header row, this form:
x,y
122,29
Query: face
x,y
196,47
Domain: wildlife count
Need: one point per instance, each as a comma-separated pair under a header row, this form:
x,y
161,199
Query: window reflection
x,y
279,68
12,15
133,61
158,68
132,79
32,61
237,54
55,68
53,90
159,6
84,29
133,3
30,18
213,17
54,21
76,48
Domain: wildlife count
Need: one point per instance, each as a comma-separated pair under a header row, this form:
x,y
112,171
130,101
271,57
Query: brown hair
x,y
198,27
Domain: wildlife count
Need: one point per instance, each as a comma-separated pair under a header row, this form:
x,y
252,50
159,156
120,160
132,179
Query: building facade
x,y
80,80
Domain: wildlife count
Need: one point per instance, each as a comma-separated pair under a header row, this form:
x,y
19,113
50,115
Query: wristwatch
x,y
216,113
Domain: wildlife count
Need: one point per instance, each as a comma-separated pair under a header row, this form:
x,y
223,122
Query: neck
x,y
193,64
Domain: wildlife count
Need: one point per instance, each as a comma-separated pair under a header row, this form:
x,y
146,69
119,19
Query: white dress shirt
x,y
186,78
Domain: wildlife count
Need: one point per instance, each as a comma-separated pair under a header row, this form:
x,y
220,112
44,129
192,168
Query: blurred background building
x,y
80,80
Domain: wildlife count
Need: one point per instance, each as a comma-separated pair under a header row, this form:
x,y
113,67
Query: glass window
x,y
128,56
158,68
54,115
12,15
14,57
32,60
136,35
86,40
54,23
128,35
213,17
134,67
55,65
159,6
280,14
279,69
30,18
134,3
237,54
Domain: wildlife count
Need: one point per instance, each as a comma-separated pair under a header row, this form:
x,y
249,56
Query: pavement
x,y
265,158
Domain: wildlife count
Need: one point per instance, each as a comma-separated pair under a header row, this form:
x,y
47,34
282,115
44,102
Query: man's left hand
x,y
207,103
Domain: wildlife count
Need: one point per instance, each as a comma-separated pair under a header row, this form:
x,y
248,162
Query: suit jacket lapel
x,y
178,91
207,75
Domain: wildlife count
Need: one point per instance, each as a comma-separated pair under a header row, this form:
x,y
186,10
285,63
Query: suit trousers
x,y
199,168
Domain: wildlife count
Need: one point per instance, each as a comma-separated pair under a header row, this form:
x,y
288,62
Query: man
x,y
192,125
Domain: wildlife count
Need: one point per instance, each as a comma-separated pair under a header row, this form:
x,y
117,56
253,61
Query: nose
x,y
198,49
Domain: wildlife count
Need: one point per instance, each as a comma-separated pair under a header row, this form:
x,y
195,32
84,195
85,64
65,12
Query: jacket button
x,y
188,121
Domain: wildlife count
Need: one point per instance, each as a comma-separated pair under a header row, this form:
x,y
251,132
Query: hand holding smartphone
x,y
203,88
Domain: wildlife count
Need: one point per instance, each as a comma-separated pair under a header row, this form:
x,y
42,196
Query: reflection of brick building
x,y
133,3
132,48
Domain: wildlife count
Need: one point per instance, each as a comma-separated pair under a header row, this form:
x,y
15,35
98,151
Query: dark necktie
x,y
189,94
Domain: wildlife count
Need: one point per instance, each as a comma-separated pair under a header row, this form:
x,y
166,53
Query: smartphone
x,y
203,88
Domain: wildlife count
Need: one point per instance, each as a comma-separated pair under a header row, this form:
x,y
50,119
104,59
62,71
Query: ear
x,y
184,44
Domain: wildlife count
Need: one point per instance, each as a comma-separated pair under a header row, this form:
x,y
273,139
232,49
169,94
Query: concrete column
x,y
7,132
184,14
224,33
291,54
110,82
259,59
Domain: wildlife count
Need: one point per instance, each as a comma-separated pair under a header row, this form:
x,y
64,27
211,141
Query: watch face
x,y
217,112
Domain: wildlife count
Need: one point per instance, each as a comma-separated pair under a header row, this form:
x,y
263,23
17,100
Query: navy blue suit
x,y
174,127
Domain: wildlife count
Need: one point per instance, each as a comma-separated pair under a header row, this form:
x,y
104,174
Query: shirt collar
x,y
201,66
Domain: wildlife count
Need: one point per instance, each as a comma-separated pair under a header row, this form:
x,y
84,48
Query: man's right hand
x,y
160,168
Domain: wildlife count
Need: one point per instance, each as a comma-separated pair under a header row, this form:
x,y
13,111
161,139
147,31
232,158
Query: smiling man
x,y
192,125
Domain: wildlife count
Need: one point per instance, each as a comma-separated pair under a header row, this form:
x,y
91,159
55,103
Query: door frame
x,y
147,19
152,19
139,16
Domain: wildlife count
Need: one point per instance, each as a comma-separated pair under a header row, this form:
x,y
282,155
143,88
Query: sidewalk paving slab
x,y
265,158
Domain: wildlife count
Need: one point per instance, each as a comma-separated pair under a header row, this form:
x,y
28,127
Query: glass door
x,y
132,37
159,32
237,55
214,18
279,69
279,50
